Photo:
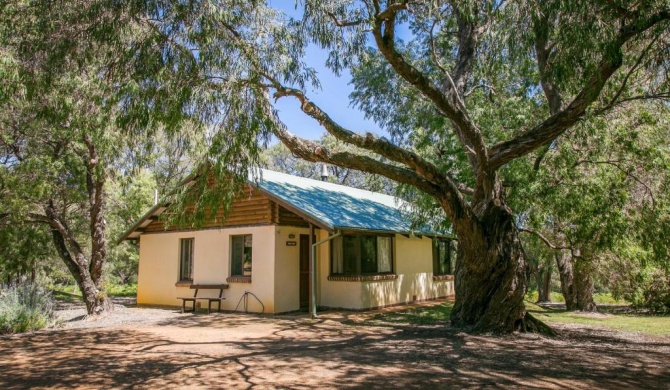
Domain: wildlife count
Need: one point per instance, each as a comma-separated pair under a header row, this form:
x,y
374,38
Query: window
x,y
444,256
357,254
186,259
241,255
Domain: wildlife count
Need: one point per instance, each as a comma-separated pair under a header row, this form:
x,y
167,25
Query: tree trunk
x,y
544,283
95,300
490,275
576,282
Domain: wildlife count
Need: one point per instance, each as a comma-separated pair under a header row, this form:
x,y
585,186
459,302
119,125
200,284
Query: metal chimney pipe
x,y
155,196
324,172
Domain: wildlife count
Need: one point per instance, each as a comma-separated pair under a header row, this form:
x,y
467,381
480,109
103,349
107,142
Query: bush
x,y
25,307
656,297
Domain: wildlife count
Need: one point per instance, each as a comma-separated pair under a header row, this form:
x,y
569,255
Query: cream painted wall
x,y
275,272
414,266
287,268
159,267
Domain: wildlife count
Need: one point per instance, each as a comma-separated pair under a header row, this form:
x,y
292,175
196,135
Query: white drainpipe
x,y
314,278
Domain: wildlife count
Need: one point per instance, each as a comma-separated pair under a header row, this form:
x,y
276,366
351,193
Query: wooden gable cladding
x,y
252,209
287,217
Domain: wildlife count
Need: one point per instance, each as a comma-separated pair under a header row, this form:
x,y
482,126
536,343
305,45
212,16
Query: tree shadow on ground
x,y
247,351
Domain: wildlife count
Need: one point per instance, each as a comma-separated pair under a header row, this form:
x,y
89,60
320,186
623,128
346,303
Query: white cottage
x,y
292,243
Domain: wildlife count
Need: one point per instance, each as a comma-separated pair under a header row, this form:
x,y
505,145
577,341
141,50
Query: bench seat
x,y
209,300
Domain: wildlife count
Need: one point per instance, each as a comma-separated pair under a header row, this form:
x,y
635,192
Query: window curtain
x,y
338,256
383,254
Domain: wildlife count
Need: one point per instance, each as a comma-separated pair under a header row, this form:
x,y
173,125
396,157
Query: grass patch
x,y
427,315
126,290
599,298
439,314
65,296
653,325
71,293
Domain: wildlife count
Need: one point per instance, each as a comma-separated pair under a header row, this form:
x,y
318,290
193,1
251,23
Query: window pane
x,y
337,256
237,253
186,259
368,254
383,254
246,264
351,254
442,257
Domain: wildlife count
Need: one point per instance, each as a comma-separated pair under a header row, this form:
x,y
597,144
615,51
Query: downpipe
x,y
314,274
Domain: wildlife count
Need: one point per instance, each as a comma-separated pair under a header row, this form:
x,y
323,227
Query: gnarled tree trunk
x,y
576,282
490,275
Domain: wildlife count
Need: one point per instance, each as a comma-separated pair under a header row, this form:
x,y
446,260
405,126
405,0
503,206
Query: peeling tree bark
x,y
576,282
490,278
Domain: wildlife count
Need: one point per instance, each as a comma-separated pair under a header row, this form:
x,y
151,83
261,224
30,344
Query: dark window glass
x,y
241,255
368,254
351,254
186,259
442,257
362,254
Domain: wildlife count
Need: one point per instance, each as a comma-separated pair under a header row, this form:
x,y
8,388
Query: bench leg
x,y
183,306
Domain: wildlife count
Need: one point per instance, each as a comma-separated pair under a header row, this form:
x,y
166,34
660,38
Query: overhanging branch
x,y
450,105
558,123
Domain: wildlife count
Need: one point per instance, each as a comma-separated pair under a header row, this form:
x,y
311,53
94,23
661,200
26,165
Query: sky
x,y
333,97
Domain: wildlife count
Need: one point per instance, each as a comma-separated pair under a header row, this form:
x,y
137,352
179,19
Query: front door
x,y
304,271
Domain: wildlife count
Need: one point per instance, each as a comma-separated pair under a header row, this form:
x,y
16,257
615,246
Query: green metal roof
x,y
337,206
327,205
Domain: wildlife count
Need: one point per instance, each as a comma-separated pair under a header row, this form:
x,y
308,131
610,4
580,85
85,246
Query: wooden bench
x,y
198,287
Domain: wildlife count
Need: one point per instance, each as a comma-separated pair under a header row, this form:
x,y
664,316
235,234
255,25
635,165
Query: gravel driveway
x,y
157,348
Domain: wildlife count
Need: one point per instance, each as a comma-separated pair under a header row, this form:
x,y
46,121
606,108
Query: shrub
x,y
25,307
657,294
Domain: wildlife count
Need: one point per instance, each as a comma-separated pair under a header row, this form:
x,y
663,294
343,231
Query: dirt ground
x,y
154,348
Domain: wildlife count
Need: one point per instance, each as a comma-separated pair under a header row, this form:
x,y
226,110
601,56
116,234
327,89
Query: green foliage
x,y
607,198
25,307
125,290
25,250
599,298
645,286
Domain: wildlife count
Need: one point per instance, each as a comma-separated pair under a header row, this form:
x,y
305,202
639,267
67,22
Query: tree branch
x,y
344,23
423,175
545,240
627,172
451,106
468,37
381,146
95,184
557,124
632,70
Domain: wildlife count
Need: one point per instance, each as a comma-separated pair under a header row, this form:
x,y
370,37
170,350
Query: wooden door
x,y
304,270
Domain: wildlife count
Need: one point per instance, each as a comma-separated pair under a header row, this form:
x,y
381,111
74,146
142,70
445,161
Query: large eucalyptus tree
x,y
464,89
